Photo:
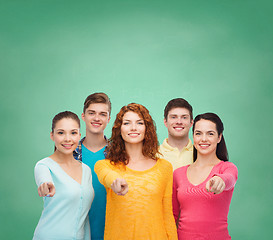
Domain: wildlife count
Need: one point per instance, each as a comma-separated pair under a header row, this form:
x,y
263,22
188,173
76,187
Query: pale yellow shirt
x,y
174,156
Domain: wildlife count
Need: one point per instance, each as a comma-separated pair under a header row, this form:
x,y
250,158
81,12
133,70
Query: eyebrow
x,y
95,111
60,129
178,114
206,131
139,120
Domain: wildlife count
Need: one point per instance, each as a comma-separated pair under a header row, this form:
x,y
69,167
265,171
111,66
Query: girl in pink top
x,y
202,191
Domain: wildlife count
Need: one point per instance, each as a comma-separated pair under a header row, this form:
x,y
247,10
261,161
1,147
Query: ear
x,y
83,117
191,123
219,138
109,119
51,136
165,122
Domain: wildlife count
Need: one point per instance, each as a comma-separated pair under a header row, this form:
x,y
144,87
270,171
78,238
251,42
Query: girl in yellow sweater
x,y
138,184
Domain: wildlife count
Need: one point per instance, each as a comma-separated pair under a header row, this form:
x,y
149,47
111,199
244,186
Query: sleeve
x,y
167,206
42,174
106,173
229,173
176,206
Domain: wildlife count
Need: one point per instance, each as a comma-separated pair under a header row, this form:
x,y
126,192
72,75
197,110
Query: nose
x,y
97,117
179,120
133,126
204,137
67,137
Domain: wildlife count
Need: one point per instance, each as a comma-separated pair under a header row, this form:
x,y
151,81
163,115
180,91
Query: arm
x,y
176,206
110,178
224,180
167,207
44,180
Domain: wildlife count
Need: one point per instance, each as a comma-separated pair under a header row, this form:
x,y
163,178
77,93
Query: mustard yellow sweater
x,y
145,212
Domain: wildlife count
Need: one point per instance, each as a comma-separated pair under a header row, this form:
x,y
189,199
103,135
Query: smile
x,y
133,134
67,146
203,146
179,128
96,124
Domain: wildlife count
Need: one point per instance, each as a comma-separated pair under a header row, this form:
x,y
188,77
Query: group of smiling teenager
x,y
124,187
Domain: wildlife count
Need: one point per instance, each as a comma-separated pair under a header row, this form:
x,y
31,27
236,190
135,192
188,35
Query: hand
x,y
46,189
215,185
120,186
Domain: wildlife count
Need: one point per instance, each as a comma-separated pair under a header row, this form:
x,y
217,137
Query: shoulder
x,y
164,146
164,162
165,165
105,163
45,161
85,167
225,165
181,170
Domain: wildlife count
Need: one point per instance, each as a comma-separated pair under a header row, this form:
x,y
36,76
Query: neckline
x,y
67,173
196,185
171,148
103,148
143,171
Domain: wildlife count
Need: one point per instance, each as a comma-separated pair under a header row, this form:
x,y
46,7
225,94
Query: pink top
x,y
203,215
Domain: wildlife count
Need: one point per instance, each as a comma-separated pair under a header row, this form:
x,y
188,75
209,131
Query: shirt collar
x,y
170,148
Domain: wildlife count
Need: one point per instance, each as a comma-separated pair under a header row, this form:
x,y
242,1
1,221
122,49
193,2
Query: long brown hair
x,y
116,149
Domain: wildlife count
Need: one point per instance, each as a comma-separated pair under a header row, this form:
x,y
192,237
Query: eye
x,y
103,114
91,113
74,133
60,133
140,123
125,123
197,133
211,134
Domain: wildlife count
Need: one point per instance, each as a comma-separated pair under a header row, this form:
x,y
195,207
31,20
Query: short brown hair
x,y
177,103
117,152
97,98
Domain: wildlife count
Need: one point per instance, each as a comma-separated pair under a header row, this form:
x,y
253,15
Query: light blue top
x,y
64,216
97,211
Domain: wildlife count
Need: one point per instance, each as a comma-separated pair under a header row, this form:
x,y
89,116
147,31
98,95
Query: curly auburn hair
x,y
116,148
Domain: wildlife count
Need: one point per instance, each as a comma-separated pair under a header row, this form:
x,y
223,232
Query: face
x,y
96,117
132,128
178,122
205,137
66,135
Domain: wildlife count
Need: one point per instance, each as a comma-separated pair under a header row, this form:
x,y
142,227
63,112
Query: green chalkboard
x,y
216,54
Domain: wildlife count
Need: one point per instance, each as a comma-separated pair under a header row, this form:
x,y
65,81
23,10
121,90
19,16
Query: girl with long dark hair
x,y
203,190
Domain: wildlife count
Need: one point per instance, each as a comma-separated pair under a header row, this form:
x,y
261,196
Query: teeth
x,y
67,145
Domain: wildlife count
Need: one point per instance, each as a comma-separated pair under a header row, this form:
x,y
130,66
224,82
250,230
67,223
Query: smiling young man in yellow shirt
x,y
178,119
